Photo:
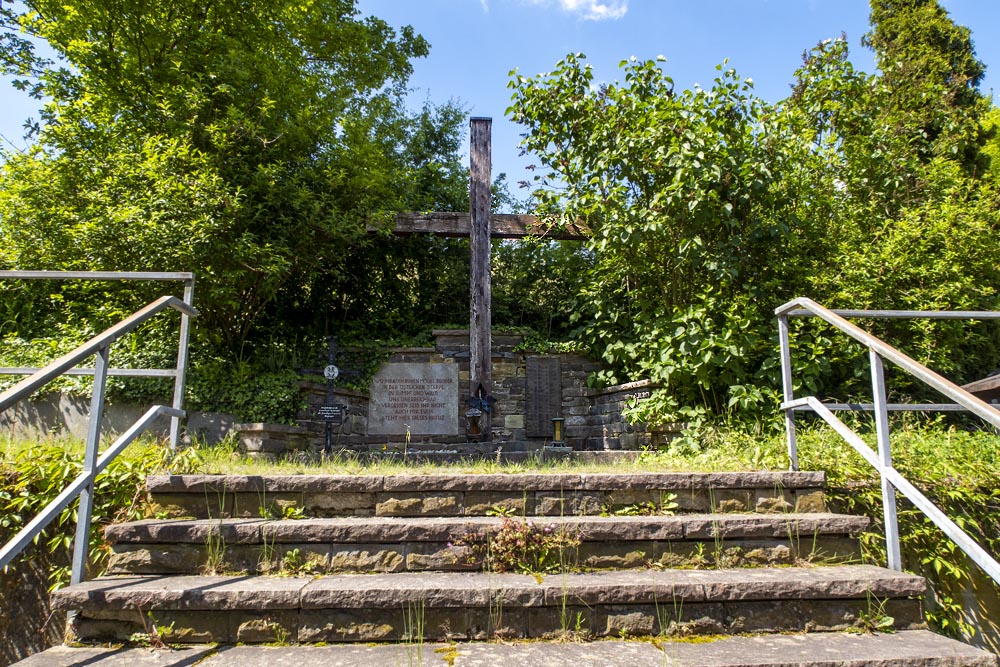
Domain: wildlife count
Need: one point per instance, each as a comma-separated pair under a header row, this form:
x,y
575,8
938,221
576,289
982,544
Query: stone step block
x,y
469,606
385,544
913,648
211,496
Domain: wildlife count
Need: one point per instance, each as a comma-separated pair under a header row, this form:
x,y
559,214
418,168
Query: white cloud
x,y
486,6
589,10
596,10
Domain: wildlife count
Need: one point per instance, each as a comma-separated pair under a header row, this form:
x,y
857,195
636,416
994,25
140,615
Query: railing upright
x,y
788,390
81,544
99,347
182,363
895,561
891,480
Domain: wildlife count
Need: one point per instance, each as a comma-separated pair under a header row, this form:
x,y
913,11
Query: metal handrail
x,y
69,360
891,479
83,486
178,373
27,534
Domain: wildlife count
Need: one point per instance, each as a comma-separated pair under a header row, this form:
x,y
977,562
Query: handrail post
x,y
786,385
182,363
885,460
81,544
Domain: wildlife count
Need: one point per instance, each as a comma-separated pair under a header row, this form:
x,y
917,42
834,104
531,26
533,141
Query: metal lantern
x,y
472,417
557,431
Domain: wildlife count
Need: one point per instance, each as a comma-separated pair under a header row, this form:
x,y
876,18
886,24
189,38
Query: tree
x,y
711,207
687,196
249,142
929,83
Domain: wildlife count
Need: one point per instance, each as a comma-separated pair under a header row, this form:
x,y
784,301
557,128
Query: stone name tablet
x,y
418,396
543,399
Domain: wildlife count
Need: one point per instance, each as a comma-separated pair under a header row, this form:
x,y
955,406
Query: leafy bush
x,y
246,390
709,207
35,474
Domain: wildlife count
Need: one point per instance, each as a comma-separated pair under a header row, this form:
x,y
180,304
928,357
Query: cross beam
x,y
502,226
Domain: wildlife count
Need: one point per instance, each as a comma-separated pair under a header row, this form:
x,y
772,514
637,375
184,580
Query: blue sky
x,y
475,43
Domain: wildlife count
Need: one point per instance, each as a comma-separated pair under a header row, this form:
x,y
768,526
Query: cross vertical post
x,y
480,289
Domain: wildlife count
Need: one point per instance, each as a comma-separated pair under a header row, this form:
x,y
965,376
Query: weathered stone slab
x,y
810,501
637,481
406,504
366,558
845,581
183,592
916,648
232,531
561,503
765,479
321,483
174,626
155,559
732,500
901,649
263,505
416,398
193,505
440,557
624,587
337,503
352,625
700,526
204,483
346,655
265,626
445,589
566,654
479,503
605,555
293,559
623,528
490,482
66,656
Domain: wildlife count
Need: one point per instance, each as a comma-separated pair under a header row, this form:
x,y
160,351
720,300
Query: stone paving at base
x,y
902,649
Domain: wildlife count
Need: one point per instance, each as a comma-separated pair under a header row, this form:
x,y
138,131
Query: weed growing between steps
x,y
522,546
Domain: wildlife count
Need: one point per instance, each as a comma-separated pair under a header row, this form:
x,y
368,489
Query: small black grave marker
x,y
331,413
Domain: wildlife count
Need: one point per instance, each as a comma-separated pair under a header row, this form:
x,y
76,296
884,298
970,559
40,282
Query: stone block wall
x,y
610,430
593,417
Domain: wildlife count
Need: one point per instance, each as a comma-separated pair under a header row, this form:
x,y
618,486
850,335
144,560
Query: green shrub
x,y
35,473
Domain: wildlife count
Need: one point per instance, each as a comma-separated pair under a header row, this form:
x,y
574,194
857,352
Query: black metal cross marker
x,y
331,413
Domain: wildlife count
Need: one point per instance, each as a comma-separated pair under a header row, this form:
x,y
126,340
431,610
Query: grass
x,y
929,453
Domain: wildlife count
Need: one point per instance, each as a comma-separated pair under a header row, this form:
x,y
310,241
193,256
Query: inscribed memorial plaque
x,y
543,398
416,396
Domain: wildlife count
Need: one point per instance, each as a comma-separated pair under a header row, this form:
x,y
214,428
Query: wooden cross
x,y
480,226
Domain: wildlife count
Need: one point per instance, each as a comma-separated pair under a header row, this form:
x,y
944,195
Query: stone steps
x,y
531,494
654,560
440,606
914,648
395,544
